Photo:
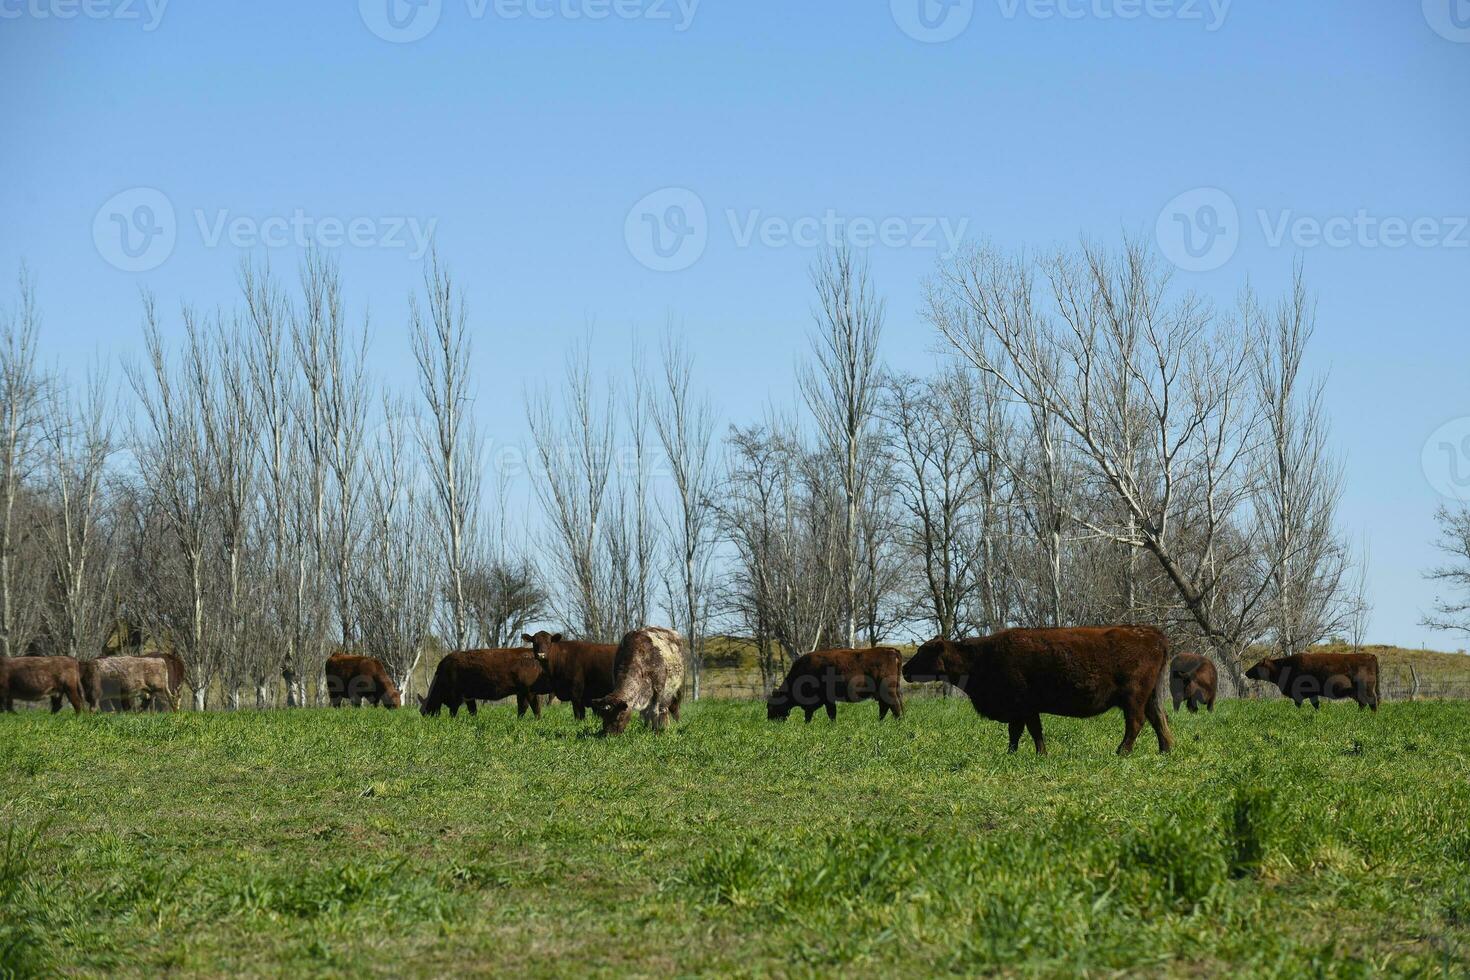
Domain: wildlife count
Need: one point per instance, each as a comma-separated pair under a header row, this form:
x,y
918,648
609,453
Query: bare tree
x,y
686,430
22,400
1451,613
451,448
1302,481
1185,496
79,442
841,387
575,457
174,463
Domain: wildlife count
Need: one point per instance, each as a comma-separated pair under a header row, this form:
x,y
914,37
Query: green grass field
x,y
1273,842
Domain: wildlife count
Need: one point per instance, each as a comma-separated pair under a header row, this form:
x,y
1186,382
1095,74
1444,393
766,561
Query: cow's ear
x,y
556,638
528,638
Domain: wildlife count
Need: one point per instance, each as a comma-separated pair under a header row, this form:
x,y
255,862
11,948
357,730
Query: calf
x,y
575,671
177,675
824,677
1313,676
1018,675
119,681
40,679
359,679
649,678
1192,681
486,675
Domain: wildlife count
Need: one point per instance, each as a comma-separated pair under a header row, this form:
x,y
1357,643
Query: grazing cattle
x,y
824,677
1313,676
486,675
41,679
177,675
119,681
1192,681
1018,675
358,679
649,673
575,671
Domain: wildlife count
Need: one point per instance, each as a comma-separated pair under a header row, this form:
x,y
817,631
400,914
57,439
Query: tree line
x,y
1094,444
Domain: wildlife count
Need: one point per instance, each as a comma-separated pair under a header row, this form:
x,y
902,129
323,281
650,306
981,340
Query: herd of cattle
x,y
1014,676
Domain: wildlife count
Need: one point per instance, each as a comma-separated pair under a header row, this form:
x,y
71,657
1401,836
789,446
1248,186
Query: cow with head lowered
x,y
41,679
1018,675
1193,681
575,671
648,679
358,679
1313,676
821,679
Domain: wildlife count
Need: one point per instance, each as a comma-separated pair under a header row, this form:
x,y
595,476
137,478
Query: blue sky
x,y
525,141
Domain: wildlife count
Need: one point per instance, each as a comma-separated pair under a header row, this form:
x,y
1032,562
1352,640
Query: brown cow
x,y
178,676
1192,681
1312,676
824,677
40,679
122,680
575,671
1018,675
486,675
350,677
649,673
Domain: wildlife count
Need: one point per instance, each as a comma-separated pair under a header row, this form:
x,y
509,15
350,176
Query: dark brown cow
x,y
823,678
41,679
575,671
1192,681
1313,676
359,679
650,680
1018,675
486,675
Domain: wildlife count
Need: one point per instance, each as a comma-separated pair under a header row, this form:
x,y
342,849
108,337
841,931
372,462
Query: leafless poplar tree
x,y
22,401
79,443
685,427
448,439
840,387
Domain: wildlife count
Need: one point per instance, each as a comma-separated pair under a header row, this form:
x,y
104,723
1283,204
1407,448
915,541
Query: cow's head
x,y
1263,671
937,660
614,712
541,644
391,698
779,704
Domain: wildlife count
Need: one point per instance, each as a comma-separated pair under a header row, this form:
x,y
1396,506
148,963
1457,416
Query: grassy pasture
x,y
1272,842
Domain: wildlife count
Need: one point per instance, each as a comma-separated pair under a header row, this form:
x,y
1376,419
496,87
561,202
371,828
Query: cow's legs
x,y
882,709
55,703
1160,723
1016,728
1132,725
1316,702
520,705
579,709
831,710
674,706
536,705
809,713
1033,725
74,695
